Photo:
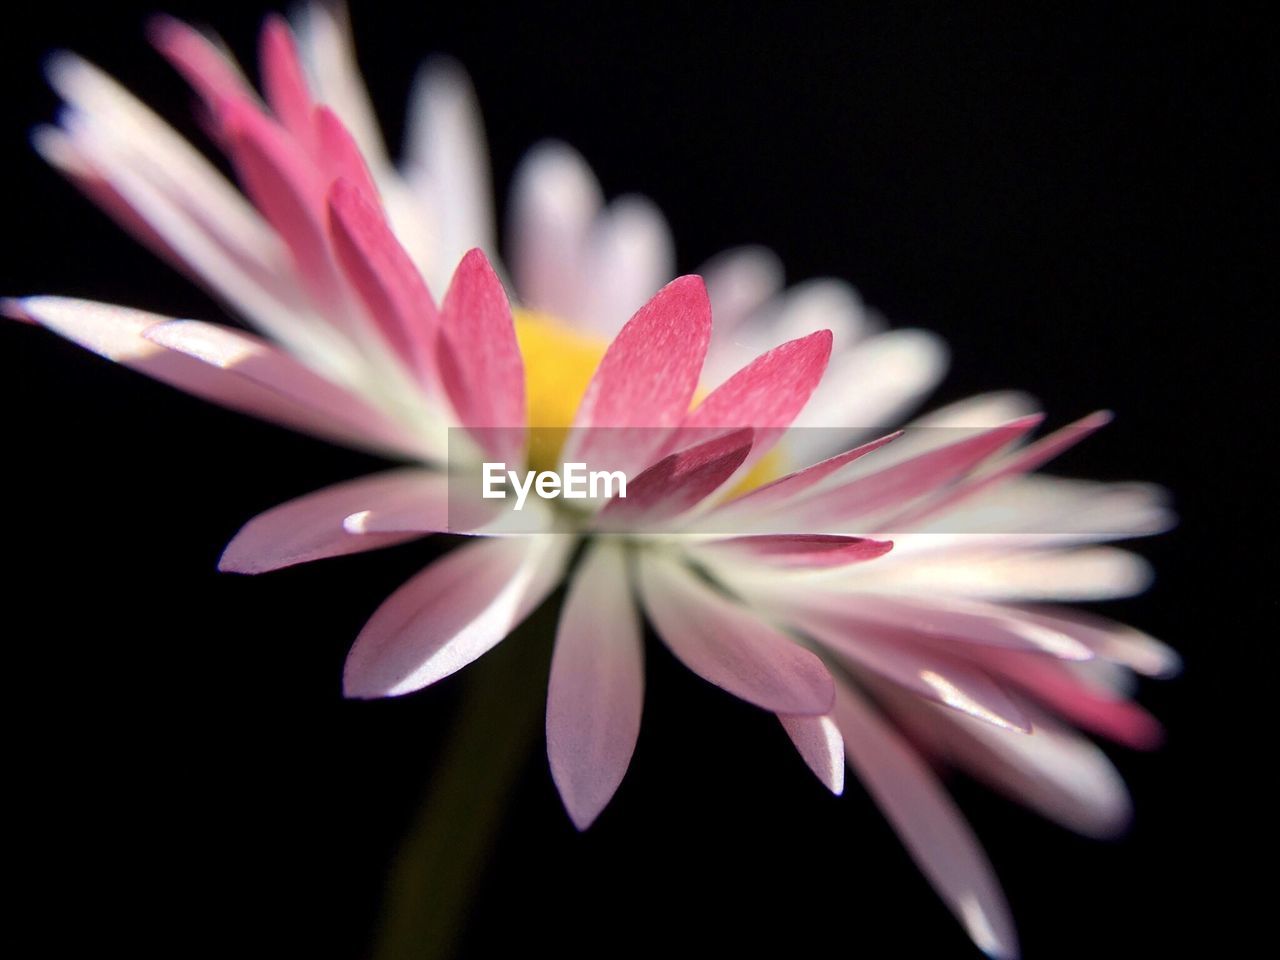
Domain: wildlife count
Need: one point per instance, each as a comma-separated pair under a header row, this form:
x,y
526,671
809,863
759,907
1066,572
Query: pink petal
x,y
311,527
786,489
596,690
286,187
340,157
1056,772
1062,692
646,379
1117,642
768,393
480,361
926,819
228,367
930,674
948,620
244,357
384,277
800,550
729,646
1022,461
678,482
894,486
821,747
283,81
452,612
203,63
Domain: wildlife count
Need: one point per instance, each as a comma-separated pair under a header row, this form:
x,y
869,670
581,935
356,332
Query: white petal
x,y
596,691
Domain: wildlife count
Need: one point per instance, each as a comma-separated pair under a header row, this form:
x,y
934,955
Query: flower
x,y
885,600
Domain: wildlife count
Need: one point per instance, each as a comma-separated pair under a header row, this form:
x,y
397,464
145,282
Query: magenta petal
x,y
768,393
808,550
821,747
384,276
311,527
283,81
452,612
646,379
678,482
926,819
728,645
596,691
480,362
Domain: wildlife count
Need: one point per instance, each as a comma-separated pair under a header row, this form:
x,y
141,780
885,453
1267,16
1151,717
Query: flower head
x,y
879,594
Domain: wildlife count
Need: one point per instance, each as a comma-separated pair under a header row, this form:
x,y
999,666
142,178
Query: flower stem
x,y
442,857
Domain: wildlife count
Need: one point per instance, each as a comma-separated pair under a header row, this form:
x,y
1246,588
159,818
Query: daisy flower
x,y
886,600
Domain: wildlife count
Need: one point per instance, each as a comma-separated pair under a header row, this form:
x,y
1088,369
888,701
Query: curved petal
x,y
283,81
311,527
926,819
729,646
596,691
480,362
222,365
452,612
821,747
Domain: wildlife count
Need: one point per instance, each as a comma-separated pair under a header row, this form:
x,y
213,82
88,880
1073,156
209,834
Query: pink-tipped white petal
x,y
479,358
1054,771
891,488
928,822
225,366
452,612
820,745
805,550
246,359
933,675
729,646
311,527
596,690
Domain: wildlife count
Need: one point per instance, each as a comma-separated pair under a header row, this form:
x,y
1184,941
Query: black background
x,y
1079,200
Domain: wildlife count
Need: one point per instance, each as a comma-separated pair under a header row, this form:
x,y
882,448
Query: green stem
x,y
442,857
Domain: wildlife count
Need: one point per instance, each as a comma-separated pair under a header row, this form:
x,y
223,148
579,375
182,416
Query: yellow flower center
x,y
558,365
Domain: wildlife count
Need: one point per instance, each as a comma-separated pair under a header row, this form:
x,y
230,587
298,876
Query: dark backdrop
x,y
1075,199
